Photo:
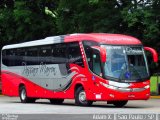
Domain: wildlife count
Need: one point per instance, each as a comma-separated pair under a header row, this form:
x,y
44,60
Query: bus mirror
x,y
153,52
102,52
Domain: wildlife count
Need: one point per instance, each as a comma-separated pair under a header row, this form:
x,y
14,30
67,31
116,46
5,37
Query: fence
x,y
155,84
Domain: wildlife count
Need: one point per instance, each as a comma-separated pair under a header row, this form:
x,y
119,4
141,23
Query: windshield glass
x,y
125,63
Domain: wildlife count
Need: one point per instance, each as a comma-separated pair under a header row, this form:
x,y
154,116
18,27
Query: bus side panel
x,y
84,79
10,84
0,82
37,91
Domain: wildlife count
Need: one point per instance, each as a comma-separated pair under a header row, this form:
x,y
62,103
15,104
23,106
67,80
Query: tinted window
x,y
48,54
45,55
4,57
93,58
96,64
89,52
9,57
13,57
19,56
74,54
59,53
31,56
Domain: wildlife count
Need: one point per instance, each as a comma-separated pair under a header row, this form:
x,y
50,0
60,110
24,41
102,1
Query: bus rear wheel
x,y
23,96
80,98
120,103
56,101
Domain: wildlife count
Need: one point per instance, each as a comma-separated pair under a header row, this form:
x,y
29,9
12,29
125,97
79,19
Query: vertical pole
x,y
157,85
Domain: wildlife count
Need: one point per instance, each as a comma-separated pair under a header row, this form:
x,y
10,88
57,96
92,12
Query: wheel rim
x,y
82,97
23,94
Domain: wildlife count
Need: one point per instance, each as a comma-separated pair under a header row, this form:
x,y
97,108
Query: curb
x,y
155,97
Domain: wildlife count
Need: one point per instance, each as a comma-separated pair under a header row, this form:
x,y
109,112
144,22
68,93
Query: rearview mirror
x,y
102,52
153,65
153,52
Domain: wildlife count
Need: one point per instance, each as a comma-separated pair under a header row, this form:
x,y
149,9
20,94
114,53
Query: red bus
x,y
0,84
85,67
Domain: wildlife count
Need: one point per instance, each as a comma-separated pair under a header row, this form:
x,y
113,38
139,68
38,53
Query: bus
x,y
87,67
0,84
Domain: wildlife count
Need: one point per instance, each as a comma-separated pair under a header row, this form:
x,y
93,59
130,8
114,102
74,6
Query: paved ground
x,y
12,105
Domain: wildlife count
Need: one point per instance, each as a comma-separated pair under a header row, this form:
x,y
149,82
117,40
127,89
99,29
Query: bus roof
x,y
46,41
102,38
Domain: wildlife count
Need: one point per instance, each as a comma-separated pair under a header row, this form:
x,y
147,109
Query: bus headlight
x,y
146,87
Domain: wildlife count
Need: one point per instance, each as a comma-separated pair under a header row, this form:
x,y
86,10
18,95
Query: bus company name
x,y
130,50
42,69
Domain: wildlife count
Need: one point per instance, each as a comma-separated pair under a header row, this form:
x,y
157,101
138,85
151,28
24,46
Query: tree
x,y
88,16
142,20
29,19
6,21
25,20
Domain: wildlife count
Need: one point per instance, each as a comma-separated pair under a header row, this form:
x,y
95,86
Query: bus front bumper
x,y
107,93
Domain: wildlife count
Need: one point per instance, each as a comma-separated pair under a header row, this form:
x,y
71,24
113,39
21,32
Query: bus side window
x,y
45,55
88,51
11,57
93,58
4,58
74,54
96,64
31,57
59,54
20,53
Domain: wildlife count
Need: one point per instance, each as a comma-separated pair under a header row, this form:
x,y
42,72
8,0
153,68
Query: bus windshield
x,y
125,63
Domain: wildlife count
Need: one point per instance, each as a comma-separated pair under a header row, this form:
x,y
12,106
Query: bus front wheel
x,y
120,103
23,96
80,98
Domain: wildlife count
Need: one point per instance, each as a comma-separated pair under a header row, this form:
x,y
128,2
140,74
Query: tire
x,y
56,101
23,96
120,103
80,98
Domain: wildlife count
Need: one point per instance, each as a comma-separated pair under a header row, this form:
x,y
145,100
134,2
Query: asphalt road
x,y
12,108
43,106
